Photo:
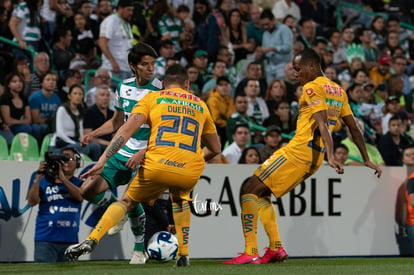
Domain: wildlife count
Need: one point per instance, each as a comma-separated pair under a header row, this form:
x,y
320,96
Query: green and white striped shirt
x,y
128,93
27,32
171,25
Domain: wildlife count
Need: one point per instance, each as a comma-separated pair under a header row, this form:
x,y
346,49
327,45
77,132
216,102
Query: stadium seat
x,y
45,146
86,158
24,147
4,149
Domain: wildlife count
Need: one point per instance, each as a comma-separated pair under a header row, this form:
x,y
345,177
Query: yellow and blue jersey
x,y
177,120
307,146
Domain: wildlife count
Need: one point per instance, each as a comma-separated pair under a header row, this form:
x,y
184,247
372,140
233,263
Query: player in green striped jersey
x,y
121,167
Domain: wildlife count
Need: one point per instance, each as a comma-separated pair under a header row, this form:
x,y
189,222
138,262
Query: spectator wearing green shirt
x,y
354,154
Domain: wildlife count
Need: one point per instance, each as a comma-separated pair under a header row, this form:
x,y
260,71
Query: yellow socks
x,y
182,214
249,215
115,212
267,214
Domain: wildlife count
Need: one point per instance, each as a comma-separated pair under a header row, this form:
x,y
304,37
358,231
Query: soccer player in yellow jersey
x,y
322,104
179,123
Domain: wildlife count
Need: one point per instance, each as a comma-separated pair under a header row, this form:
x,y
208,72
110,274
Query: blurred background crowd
x,y
61,61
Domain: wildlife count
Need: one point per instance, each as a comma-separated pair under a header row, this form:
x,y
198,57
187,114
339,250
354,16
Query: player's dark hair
x,y
309,56
138,51
175,74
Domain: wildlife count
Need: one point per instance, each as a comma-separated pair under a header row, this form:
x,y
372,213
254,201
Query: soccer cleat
x,y
74,251
118,227
271,256
182,261
244,259
138,257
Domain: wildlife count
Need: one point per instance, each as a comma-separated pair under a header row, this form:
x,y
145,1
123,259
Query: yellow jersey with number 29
x,y
177,120
307,146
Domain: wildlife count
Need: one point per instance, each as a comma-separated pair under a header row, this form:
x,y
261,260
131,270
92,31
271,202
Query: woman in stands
x,y
235,33
69,125
250,155
14,105
275,93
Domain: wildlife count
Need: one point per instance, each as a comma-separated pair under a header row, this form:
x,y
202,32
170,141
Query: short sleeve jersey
x,y
127,95
307,146
58,218
177,120
119,35
27,31
47,106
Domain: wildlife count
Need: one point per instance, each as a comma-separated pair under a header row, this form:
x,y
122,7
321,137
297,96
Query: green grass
x,y
317,266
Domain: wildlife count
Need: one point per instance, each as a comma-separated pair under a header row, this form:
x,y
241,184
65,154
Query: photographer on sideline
x,y
56,190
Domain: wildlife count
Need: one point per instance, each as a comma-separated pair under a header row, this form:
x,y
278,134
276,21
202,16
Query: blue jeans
x,y
39,131
21,128
410,236
8,135
50,252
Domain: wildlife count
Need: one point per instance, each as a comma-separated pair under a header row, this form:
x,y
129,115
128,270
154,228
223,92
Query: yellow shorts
x,y
280,174
149,184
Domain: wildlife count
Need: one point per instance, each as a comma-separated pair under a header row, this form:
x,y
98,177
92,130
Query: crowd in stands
x,y
238,55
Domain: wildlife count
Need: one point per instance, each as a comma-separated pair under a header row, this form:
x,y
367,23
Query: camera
x,y
52,164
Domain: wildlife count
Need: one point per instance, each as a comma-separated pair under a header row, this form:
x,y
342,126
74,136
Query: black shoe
x,y
183,261
74,251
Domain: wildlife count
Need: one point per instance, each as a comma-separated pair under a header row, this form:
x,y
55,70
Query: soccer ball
x,y
162,246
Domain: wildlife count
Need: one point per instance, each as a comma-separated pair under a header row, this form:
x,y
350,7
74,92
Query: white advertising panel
x,y
329,215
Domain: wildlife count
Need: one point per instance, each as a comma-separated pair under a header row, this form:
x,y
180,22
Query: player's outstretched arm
x,y
321,118
121,137
108,127
212,146
359,141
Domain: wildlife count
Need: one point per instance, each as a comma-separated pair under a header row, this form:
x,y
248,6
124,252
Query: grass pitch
x,y
306,266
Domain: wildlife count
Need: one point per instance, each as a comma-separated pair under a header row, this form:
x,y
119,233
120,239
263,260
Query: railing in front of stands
x,y
343,4
15,44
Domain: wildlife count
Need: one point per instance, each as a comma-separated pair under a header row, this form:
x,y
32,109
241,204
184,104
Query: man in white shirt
x,y
102,77
284,7
241,137
115,39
